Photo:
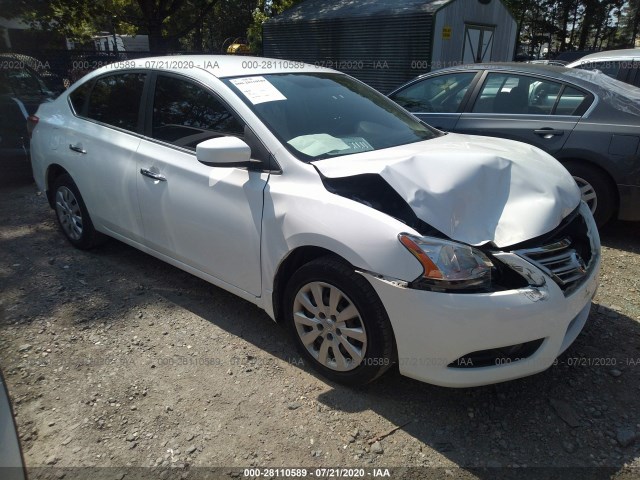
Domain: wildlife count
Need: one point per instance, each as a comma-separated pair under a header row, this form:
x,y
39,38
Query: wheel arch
x,y
53,171
287,267
605,175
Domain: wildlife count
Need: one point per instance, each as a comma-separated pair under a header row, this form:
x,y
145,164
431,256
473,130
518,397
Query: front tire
x,y
338,322
72,214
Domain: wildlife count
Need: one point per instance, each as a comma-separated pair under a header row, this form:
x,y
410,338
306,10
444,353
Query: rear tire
x,y
596,190
338,322
72,214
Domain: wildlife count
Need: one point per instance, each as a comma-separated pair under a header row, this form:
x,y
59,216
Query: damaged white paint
x,y
473,189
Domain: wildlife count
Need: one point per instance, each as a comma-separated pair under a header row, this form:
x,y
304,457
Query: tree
x,y
630,31
575,24
228,19
164,21
79,19
264,10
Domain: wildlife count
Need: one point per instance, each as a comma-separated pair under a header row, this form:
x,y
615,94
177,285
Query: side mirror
x,y
224,152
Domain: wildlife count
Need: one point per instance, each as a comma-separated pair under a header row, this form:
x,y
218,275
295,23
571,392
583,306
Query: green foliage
x,y
264,10
208,25
225,22
574,24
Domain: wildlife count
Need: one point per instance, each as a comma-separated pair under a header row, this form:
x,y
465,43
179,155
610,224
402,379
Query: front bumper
x,y
434,330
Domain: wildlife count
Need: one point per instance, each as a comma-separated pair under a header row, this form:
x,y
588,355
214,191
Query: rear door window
x,y
115,100
79,96
517,94
522,94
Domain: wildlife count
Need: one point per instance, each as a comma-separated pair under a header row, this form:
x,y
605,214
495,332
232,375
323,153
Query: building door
x,y
478,44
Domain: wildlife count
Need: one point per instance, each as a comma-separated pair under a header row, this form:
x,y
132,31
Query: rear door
x,y
100,144
439,99
530,109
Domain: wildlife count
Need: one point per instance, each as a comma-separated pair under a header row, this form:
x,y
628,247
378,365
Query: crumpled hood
x,y
473,189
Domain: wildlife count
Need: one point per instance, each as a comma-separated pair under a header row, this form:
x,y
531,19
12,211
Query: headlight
x,y
448,265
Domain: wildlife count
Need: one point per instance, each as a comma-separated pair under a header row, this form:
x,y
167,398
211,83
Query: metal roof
x,y
311,10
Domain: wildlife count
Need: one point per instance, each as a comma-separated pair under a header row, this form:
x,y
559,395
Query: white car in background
x,y
375,238
623,65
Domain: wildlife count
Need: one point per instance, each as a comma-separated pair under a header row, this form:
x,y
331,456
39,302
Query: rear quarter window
x,y
571,101
78,98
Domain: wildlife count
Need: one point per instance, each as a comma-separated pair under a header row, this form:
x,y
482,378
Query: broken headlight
x,y
448,266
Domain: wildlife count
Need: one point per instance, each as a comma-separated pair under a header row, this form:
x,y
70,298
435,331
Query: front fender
x,y
304,214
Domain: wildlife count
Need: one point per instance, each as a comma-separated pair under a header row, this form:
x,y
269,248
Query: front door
x,y
206,217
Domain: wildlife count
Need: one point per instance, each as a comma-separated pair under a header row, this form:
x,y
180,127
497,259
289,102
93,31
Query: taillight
x,y
32,121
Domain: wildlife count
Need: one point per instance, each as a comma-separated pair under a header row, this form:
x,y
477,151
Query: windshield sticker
x,y
258,89
357,144
317,144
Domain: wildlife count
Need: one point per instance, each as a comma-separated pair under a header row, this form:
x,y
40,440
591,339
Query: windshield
x,y
322,115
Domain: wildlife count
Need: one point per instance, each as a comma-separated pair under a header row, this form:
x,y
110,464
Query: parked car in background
x,y
376,239
586,120
22,90
623,65
557,63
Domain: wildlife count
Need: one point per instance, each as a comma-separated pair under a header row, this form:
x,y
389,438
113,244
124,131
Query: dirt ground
x,y
115,359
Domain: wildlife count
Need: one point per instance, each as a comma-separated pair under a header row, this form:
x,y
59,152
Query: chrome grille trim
x,y
567,255
558,260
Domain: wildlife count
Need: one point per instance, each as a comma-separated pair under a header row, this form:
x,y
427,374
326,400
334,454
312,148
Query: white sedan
x,y
376,239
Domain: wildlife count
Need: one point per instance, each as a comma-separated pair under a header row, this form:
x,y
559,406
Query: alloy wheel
x,y
588,193
69,213
330,326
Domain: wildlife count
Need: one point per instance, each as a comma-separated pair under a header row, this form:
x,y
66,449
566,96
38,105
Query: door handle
x,y
548,132
77,148
154,175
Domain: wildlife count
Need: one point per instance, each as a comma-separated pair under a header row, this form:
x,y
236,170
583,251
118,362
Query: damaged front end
x,y
566,254
470,211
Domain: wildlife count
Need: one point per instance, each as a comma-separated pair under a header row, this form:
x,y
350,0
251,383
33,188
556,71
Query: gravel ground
x,y
115,359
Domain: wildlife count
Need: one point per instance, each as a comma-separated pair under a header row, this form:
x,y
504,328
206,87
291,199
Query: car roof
x,y
625,54
553,71
524,67
220,66
585,78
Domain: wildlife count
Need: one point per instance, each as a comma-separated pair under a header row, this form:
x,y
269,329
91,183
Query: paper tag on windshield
x,y
258,89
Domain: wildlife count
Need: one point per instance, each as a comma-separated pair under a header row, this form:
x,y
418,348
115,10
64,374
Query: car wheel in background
x,y
596,190
72,214
338,322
